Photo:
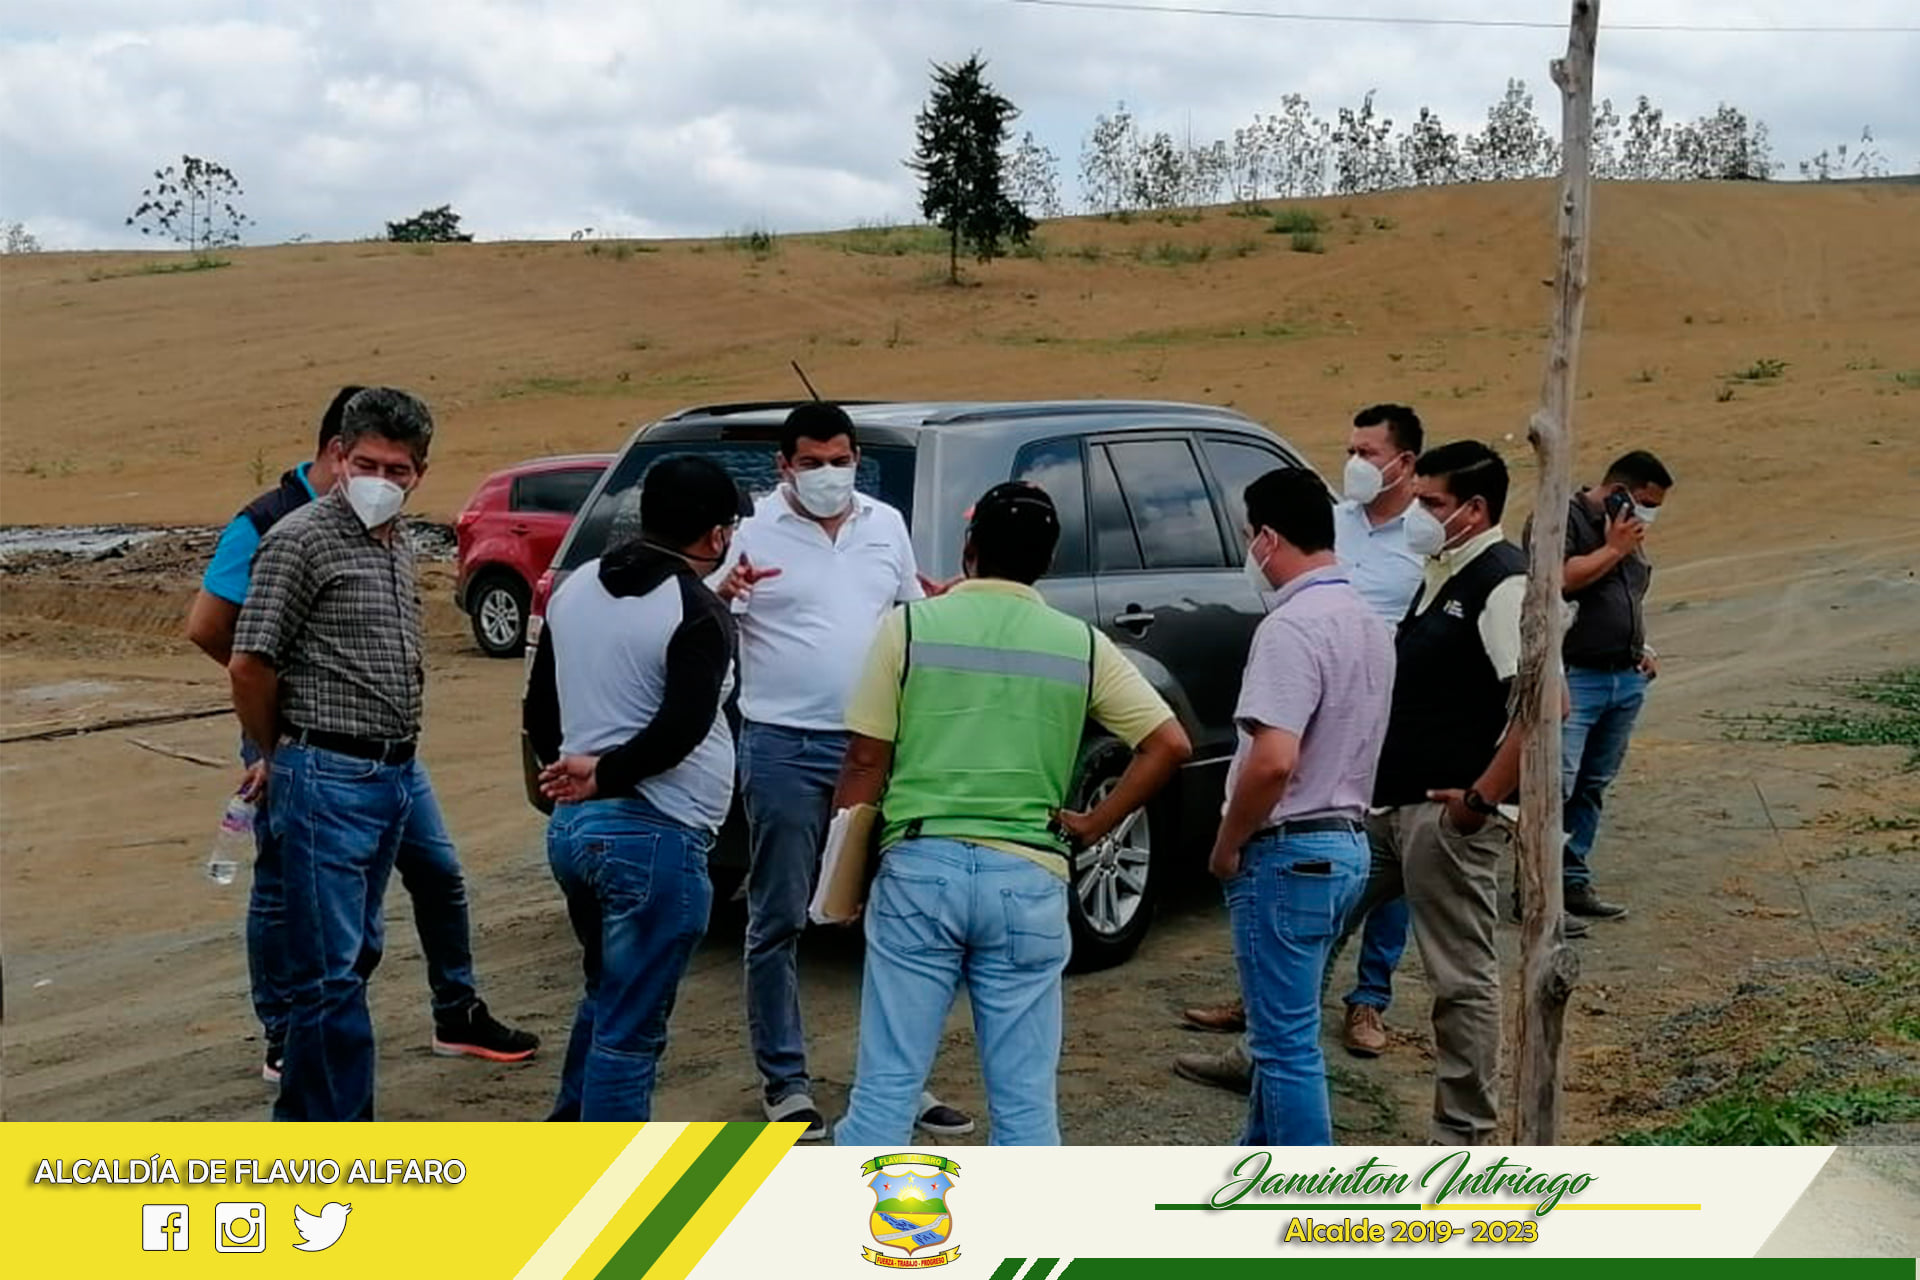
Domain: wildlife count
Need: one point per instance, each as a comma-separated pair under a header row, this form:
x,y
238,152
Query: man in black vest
x,y
1449,761
428,864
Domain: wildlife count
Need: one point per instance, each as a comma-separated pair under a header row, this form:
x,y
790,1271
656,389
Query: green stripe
x,y
1008,1269
1042,1268
657,1230
1511,1264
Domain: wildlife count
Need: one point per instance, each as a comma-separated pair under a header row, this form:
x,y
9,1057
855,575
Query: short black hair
x,y
818,420
391,414
1402,424
1638,468
1013,532
1294,503
684,497
330,420
1471,470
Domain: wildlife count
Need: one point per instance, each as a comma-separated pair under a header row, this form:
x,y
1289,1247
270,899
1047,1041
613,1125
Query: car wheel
x,y
498,606
1114,883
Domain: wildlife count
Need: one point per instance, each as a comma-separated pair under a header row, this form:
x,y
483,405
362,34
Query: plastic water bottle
x,y
233,842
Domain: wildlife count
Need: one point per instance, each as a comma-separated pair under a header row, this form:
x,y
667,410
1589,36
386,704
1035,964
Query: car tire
x,y
1113,886
498,604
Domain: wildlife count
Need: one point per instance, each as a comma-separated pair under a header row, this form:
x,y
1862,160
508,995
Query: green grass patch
x,y
1384,224
618,250
1908,378
1290,222
1169,254
199,262
755,240
1749,1119
1765,369
889,240
1250,211
1873,711
1306,242
1087,252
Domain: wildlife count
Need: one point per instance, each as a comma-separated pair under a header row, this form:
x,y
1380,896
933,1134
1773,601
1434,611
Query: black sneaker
x,y
475,1033
938,1120
270,1067
798,1108
1584,902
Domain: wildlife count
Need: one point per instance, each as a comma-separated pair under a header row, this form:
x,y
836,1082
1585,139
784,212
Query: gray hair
x,y
391,414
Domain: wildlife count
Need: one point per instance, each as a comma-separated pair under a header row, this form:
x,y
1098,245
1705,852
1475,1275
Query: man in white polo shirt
x,y
812,573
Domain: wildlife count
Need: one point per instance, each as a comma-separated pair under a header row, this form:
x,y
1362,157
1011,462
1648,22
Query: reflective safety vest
x,y
993,702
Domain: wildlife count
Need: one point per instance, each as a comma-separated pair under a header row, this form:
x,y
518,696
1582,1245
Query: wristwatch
x,y
1478,803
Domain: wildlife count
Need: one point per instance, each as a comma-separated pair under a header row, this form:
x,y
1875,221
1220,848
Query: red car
x,y
508,534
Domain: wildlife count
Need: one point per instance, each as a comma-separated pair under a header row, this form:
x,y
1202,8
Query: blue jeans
x,y
940,912
336,823
429,868
638,895
1593,744
1286,906
1383,940
787,778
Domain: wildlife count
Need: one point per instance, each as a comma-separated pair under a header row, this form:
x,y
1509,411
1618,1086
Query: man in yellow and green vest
x,y
967,724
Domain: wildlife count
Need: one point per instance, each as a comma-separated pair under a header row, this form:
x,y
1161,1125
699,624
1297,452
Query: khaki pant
x,y
1451,884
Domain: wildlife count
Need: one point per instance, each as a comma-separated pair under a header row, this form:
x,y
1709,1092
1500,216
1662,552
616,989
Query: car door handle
x,y
1135,619
520,528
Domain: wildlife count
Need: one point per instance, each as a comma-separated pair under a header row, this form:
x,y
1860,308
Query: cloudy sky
x,y
695,117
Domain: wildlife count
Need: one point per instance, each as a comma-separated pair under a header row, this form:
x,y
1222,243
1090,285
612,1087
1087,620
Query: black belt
x,y
379,749
1610,665
1310,826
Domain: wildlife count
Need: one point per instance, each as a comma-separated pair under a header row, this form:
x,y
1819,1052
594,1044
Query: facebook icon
x,y
163,1227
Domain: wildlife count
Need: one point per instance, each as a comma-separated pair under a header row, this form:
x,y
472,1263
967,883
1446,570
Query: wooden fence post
x,y
1549,966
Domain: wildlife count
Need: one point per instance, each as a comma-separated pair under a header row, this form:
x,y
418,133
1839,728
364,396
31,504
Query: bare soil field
x,y
1764,340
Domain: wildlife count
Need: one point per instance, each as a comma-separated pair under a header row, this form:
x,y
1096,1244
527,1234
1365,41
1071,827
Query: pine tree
x,y
960,134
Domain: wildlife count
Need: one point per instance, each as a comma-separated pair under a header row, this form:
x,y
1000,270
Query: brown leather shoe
x,y
1230,1018
1366,1031
1221,1070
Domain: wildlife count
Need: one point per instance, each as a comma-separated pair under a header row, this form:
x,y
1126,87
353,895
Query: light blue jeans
x,y
942,912
1593,745
1286,906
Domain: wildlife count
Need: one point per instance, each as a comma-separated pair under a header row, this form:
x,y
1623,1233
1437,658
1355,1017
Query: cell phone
x,y
1618,503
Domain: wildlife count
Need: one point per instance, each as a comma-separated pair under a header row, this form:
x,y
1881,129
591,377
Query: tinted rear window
x,y
555,492
885,472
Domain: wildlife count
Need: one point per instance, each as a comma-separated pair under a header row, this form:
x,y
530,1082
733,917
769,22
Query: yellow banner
x,y
931,1260
906,1157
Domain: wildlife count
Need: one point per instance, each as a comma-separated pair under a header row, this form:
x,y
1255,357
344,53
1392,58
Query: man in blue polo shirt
x,y
429,865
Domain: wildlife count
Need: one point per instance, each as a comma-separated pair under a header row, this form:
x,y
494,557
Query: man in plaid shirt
x,y
327,672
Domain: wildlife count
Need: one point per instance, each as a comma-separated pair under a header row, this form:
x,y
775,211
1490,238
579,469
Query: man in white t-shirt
x,y
812,573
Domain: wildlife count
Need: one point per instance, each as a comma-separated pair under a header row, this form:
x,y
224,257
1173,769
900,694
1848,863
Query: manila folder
x,y
843,866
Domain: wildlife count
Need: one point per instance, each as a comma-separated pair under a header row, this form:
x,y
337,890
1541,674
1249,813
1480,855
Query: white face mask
x,y
1645,514
375,499
1256,571
1426,534
824,491
1362,482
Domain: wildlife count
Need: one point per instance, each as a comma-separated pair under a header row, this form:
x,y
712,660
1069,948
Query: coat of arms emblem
x,y
910,1212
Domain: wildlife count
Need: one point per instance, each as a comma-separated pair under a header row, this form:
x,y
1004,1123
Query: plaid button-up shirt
x,y
336,612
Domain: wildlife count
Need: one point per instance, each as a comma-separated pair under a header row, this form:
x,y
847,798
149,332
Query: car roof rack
x,y
1078,408
749,406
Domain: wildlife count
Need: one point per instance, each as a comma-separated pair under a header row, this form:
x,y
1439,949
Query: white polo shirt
x,y
805,633
1382,568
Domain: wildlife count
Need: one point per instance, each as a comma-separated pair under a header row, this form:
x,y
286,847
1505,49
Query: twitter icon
x,y
319,1230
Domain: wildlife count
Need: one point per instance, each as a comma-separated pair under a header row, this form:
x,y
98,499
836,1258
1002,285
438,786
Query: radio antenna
x,y
804,379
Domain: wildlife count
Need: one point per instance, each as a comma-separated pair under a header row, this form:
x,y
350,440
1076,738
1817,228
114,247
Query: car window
x,y
1235,465
885,472
1172,512
1115,547
557,492
1055,466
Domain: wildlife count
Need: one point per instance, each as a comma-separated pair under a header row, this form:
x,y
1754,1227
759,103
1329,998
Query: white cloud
x,y
663,118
